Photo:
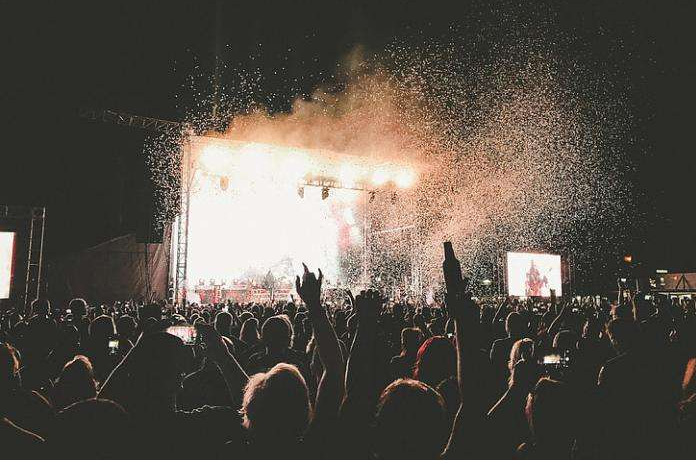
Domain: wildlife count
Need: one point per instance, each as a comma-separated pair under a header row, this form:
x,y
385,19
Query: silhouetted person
x,y
276,336
75,383
93,429
402,364
552,419
516,328
411,422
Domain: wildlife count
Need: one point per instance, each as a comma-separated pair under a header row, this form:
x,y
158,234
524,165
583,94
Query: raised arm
x,y
360,399
217,351
557,323
469,419
330,390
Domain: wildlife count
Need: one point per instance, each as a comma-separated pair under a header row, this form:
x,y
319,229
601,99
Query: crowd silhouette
x,y
357,378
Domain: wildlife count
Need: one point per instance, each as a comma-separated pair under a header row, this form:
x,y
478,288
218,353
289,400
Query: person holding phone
x,y
147,381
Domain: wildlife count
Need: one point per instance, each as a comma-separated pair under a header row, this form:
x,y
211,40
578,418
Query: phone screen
x,y
187,334
113,346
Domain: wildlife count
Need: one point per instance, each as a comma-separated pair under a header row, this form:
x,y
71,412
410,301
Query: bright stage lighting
x,y
380,177
347,175
252,226
405,178
214,157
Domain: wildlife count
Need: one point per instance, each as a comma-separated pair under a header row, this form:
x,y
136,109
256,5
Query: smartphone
x,y
187,334
113,346
556,360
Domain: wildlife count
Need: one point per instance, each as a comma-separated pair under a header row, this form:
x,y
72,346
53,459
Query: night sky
x,y
137,57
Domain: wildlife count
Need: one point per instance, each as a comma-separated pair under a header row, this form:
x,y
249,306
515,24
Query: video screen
x,y
533,275
6,259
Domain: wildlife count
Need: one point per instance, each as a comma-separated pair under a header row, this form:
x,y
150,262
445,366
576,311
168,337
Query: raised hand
x,y
214,345
368,305
309,289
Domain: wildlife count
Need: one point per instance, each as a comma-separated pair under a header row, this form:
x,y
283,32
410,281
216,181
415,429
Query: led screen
x,y
530,274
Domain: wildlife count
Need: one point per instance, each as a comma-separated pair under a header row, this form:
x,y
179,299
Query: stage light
x,y
628,259
224,183
348,175
380,177
300,192
405,178
324,193
215,157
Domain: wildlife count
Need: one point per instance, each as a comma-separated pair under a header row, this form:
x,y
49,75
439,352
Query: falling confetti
x,y
515,147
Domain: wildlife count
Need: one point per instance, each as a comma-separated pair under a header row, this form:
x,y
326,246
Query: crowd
x,y
359,379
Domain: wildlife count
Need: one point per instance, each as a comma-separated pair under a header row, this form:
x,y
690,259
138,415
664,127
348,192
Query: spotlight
x,y
380,177
224,183
300,192
405,178
324,193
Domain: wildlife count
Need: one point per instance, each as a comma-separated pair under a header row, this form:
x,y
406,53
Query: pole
x,y
216,65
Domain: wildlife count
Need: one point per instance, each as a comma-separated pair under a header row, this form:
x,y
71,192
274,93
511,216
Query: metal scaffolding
x,y
187,175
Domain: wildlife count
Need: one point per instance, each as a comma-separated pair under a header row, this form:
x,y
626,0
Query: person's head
x,y
78,307
76,381
515,325
245,315
411,422
592,329
223,323
522,349
411,338
623,333
250,331
9,367
157,365
565,341
276,333
40,306
551,413
436,361
276,404
102,426
126,326
102,327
